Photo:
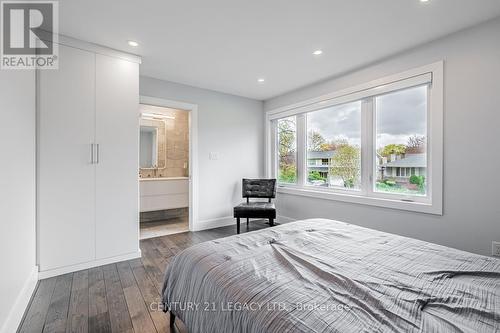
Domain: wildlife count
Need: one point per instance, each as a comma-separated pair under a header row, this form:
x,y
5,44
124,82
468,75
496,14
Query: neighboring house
x,y
398,167
402,167
320,161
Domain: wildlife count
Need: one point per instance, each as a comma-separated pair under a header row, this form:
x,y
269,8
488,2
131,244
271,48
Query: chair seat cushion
x,y
255,209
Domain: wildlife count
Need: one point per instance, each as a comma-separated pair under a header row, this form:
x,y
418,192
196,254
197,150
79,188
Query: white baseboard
x,y
86,265
21,303
214,223
229,220
284,219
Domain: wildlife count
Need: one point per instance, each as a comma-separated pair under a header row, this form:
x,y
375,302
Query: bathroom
x,y
163,171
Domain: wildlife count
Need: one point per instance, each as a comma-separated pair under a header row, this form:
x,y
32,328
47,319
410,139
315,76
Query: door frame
x,y
193,149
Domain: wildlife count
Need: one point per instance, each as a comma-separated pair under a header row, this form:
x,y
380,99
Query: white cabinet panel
x,y
87,212
117,134
163,194
66,179
161,187
162,202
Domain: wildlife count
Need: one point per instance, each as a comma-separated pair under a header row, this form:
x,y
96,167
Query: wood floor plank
x,y
181,240
57,314
160,261
201,237
123,297
193,239
143,244
117,306
154,263
99,321
171,245
141,320
37,311
78,314
153,273
151,296
125,273
164,250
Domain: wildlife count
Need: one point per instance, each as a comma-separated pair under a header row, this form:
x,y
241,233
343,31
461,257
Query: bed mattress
x,y
322,275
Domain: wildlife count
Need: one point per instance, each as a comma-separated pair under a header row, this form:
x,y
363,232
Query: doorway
x,y
167,170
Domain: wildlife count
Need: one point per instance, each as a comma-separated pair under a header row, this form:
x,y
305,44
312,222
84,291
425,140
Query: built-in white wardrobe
x,y
88,129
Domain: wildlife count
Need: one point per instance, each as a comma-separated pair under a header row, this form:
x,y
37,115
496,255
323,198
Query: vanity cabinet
x,y
88,139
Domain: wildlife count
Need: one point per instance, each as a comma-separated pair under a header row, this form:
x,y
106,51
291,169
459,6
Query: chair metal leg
x,y
271,222
237,225
248,220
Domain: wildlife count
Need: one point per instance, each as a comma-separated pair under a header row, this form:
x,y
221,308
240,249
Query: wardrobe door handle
x,y
97,154
91,153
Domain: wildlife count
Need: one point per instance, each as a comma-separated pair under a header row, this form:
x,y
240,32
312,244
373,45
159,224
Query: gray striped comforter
x,y
327,276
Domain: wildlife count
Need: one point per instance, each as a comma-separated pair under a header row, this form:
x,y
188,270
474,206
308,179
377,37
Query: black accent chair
x,y
257,188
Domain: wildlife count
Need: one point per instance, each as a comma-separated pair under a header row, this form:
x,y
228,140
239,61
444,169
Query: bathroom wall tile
x,y
173,146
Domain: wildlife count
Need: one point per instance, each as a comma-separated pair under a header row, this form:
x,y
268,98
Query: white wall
x,y
229,125
17,195
471,219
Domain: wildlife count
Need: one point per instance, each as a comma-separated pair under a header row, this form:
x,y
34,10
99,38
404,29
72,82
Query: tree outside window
x,y
287,150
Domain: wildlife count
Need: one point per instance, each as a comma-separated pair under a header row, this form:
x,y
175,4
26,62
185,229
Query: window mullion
x,y
367,145
301,149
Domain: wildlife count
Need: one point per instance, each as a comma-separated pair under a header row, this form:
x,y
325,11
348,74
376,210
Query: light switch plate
x,y
495,249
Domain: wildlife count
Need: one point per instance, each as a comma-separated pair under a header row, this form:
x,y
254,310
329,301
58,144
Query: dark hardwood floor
x,y
121,297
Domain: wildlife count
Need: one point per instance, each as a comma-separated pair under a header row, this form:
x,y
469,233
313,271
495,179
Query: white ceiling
x,y
226,45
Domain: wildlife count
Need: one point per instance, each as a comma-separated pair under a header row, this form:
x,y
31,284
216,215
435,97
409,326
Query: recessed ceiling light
x,y
318,52
133,43
424,0
261,80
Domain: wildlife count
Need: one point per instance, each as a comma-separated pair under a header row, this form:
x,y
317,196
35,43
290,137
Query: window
x,y
287,150
334,136
401,141
379,143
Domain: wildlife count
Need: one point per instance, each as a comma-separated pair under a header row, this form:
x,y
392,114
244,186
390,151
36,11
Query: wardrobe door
x,y
66,176
117,134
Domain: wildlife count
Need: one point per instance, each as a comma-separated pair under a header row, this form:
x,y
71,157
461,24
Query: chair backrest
x,y
259,188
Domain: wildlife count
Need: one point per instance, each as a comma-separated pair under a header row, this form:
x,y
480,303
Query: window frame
x,y
432,75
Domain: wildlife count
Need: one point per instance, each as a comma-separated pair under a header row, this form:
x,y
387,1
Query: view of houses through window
x,y
334,146
333,149
401,140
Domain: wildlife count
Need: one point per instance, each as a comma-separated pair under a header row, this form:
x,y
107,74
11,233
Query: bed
x,y
327,276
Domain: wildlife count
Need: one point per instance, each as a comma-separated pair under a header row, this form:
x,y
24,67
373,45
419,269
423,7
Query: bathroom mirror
x,y
148,147
152,144
162,157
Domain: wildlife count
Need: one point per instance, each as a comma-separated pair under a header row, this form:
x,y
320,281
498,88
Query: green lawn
x,y
399,189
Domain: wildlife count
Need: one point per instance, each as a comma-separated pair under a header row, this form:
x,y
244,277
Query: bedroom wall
x,y
17,195
228,125
471,219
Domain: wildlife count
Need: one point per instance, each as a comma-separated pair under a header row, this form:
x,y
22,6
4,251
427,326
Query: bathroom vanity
x,y
164,153
163,193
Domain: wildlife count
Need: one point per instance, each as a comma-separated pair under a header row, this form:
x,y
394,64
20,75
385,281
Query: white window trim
x,y
432,203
